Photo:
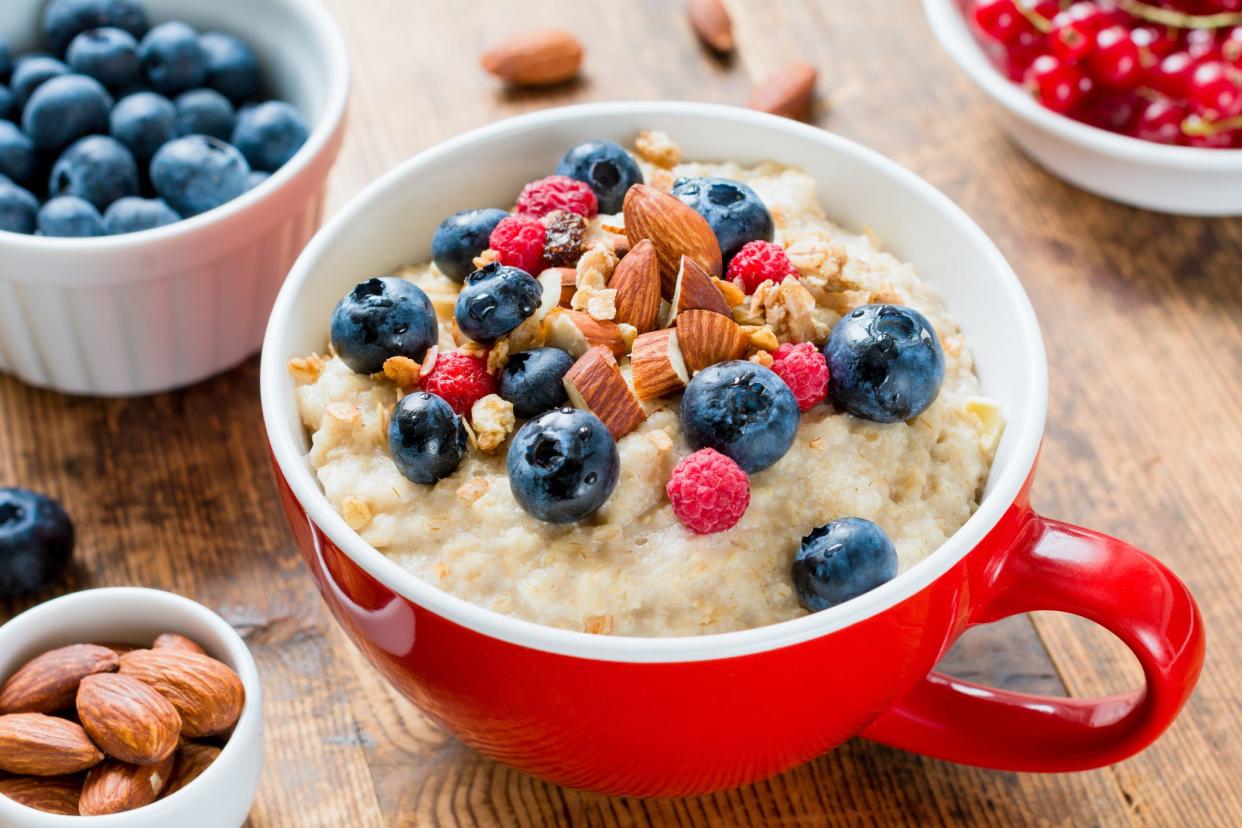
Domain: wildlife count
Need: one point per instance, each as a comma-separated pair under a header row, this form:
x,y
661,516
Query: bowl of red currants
x,y
1139,101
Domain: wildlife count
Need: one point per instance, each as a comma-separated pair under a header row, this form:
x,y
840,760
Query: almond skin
x,y
128,719
50,794
173,641
637,282
707,338
191,760
206,692
710,21
115,786
595,384
35,744
695,290
49,682
657,364
675,230
541,58
788,92
575,332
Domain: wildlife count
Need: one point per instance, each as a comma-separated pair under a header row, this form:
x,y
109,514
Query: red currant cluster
x,y
1168,71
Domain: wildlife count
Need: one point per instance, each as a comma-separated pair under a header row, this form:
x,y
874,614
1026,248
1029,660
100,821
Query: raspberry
x,y
460,379
519,241
757,262
709,492
804,370
557,192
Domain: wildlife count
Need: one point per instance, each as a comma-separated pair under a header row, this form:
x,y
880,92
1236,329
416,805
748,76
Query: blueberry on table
x,y
96,168
70,217
63,20
108,55
461,237
197,173
133,214
606,167
143,122
65,109
733,210
495,300
205,112
885,363
172,58
563,465
18,208
17,153
742,410
426,437
232,67
381,318
842,560
32,71
36,542
270,134
531,380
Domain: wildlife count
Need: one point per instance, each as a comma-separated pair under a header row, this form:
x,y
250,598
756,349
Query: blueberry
x,y
172,58
36,542
495,300
606,167
461,237
17,153
232,68
743,411
110,56
733,210
133,214
63,20
70,217
382,318
269,134
426,437
196,173
563,465
8,102
256,178
205,112
842,560
6,59
96,168
532,380
32,71
64,109
17,208
143,122
884,363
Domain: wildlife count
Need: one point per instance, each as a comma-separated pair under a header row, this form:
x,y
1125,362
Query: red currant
x,y
1216,90
1059,86
1201,44
1073,31
1115,61
1171,76
1155,40
1231,46
1161,121
1000,20
1114,111
1019,55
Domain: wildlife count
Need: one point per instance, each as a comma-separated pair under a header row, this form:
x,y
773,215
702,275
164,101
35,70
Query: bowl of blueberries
x,y
162,164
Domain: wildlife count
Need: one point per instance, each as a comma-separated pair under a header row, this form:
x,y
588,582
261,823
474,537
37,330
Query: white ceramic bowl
x,y
222,796
1184,180
151,311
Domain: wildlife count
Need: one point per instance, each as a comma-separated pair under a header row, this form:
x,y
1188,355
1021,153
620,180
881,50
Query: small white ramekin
x,y
223,795
155,310
1184,180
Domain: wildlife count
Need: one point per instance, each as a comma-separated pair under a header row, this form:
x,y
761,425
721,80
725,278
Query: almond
x,y
50,794
696,290
129,720
207,693
539,58
658,365
705,339
174,641
49,682
115,786
637,282
565,281
710,21
788,92
594,383
574,332
191,760
36,744
674,228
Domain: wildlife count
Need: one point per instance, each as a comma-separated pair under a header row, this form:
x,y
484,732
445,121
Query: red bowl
x,y
687,715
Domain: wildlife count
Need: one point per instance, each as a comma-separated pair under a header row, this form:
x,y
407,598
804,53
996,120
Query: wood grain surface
x,y
1143,320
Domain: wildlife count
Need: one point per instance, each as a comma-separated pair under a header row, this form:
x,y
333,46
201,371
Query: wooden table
x,y
1141,316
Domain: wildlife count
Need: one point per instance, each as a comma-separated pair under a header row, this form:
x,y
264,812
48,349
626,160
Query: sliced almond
x,y
710,21
637,282
658,365
562,280
538,58
575,332
788,92
114,786
595,384
695,290
674,228
706,338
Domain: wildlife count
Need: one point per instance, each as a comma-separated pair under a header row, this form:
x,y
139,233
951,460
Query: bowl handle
x,y
1063,568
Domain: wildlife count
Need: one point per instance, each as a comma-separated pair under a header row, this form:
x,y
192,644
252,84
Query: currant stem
x,y
1041,23
1180,20
1199,126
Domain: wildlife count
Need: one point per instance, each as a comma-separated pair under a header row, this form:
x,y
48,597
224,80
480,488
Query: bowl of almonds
x,y
126,706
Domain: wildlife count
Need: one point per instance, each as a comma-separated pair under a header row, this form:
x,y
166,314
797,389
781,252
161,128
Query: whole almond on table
x,y
206,692
49,682
174,641
51,794
788,92
115,786
539,58
191,760
129,720
675,230
710,21
35,744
